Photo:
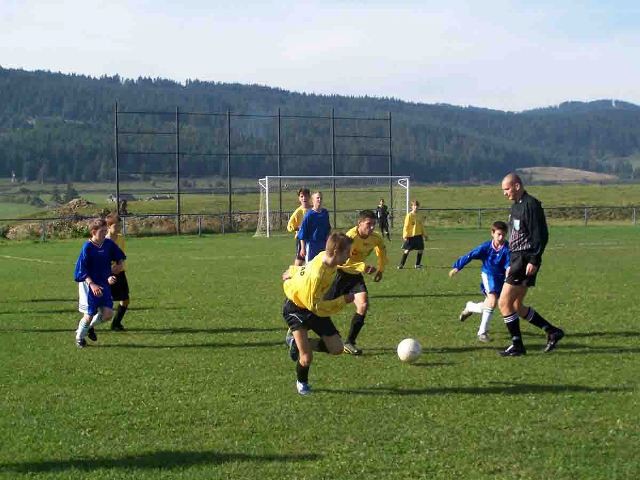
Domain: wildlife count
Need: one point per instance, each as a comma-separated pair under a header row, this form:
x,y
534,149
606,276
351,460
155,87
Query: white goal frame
x,y
403,181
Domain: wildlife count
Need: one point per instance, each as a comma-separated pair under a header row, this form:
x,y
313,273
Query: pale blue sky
x,y
504,54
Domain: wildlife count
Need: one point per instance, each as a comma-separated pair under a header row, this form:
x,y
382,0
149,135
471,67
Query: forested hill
x,y
60,127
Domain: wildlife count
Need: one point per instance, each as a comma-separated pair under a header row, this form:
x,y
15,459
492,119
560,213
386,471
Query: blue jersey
x,y
95,261
494,262
314,230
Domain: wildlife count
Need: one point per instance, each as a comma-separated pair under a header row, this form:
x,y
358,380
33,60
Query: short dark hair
x,y
499,225
364,214
305,191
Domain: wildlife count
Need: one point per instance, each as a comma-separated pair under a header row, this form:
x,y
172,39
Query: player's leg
x,y
120,291
299,259
554,334
360,300
419,258
303,363
508,301
403,260
489,305
86,306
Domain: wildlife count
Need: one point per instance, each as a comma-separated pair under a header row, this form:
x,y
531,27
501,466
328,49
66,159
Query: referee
x,y
528,237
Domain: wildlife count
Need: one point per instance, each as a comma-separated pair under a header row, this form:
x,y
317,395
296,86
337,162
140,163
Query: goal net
x,y
343,196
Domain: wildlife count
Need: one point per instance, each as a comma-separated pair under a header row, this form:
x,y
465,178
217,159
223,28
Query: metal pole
x,y
333,165
43,231
634,216
178,170
390,173
479,218
586,216
115,128
279,179
229,167
199,225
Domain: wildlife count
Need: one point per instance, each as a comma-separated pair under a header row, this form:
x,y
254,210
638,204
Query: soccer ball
x,y
409,350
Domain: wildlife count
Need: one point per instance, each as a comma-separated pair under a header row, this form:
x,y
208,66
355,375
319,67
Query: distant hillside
x,y
60,127
563,175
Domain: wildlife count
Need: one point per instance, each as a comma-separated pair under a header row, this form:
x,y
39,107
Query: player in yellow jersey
x,y
296,219
120,289
413,234
349,278
306,308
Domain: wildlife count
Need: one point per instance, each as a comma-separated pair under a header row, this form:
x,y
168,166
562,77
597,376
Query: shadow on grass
x,y
502,388
155,460
178,330
603,334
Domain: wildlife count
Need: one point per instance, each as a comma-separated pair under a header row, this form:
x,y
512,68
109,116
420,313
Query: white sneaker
x,y
464,315
303,388
484,337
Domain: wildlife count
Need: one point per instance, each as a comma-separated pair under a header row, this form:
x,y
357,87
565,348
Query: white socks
x,y
474,307
97,318
487,313
83,328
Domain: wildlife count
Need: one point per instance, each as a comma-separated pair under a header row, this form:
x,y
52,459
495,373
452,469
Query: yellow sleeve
x,y
294,221
407,226
381,254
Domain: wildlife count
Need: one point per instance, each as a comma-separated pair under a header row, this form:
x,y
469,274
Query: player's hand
x,y
369,269
348,298
95,289
286,275
377,277
452,272
111,280
531,269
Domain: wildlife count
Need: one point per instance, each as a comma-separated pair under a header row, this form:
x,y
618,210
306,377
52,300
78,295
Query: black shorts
x,y
346,283
518,270
413,243
298,256
120,289
297,318
384,225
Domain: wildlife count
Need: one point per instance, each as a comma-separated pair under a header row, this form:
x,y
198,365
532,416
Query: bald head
x,y
512,187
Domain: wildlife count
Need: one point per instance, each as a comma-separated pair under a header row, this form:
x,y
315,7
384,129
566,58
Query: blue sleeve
x,y
304,226
81,273
507,256
478,253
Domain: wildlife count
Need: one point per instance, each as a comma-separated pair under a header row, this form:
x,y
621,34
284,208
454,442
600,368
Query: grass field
x,y
201,386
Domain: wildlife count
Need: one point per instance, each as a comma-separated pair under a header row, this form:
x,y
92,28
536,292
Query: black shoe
x,y
92,334
552,340
81,343
117,327
513,351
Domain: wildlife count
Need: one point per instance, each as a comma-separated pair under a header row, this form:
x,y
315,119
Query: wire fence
x,y
75,226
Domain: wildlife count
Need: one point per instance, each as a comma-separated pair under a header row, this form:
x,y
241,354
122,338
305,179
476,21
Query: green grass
x,y
201,387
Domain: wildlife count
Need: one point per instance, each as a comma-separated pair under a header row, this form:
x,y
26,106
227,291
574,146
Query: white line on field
x,y
26,259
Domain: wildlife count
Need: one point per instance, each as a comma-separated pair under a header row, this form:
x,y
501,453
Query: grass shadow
x,y
192,345
178,330
154,460
426,295
495,388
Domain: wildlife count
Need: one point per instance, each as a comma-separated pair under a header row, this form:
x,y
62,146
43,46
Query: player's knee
x,y
491,301
362,308
505,306
305,359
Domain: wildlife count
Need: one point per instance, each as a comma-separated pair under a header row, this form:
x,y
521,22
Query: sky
x,y
502,54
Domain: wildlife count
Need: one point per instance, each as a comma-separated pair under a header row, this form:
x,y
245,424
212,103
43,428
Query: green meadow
x,y
200,385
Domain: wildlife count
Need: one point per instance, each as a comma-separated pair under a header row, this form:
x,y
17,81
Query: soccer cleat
x,y
117,327
418,267
303,388
464,315
400,267
293,347
484,338
552,339
81,343
92,334
513,351
351,349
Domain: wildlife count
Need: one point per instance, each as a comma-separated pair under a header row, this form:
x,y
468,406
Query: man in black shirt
x,y
528,237
382,214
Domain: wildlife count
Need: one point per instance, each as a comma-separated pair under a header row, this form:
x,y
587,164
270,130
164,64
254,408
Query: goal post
x,y
344,196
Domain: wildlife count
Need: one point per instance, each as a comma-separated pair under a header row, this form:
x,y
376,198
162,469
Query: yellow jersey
x,y
310,283
296,219
119,240
413,225
361,249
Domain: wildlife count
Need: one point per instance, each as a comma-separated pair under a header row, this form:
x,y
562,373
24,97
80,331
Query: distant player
x,y
94,277
413,234
305,307
120,289
296,220
314,229
382,215
528,237
495,260
349,279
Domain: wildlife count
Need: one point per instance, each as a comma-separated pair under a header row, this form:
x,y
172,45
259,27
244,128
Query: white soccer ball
x,y
409,350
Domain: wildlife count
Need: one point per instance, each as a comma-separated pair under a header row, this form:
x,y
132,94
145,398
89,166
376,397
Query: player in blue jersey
x,y
94,276
314,229
495,261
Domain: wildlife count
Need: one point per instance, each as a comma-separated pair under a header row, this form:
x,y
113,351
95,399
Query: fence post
x,y
43,231
479,218
223,222
586,216
199,225
634,215
124,226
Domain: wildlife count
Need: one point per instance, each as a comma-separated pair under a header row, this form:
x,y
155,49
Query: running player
x,y
120,289
413,234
